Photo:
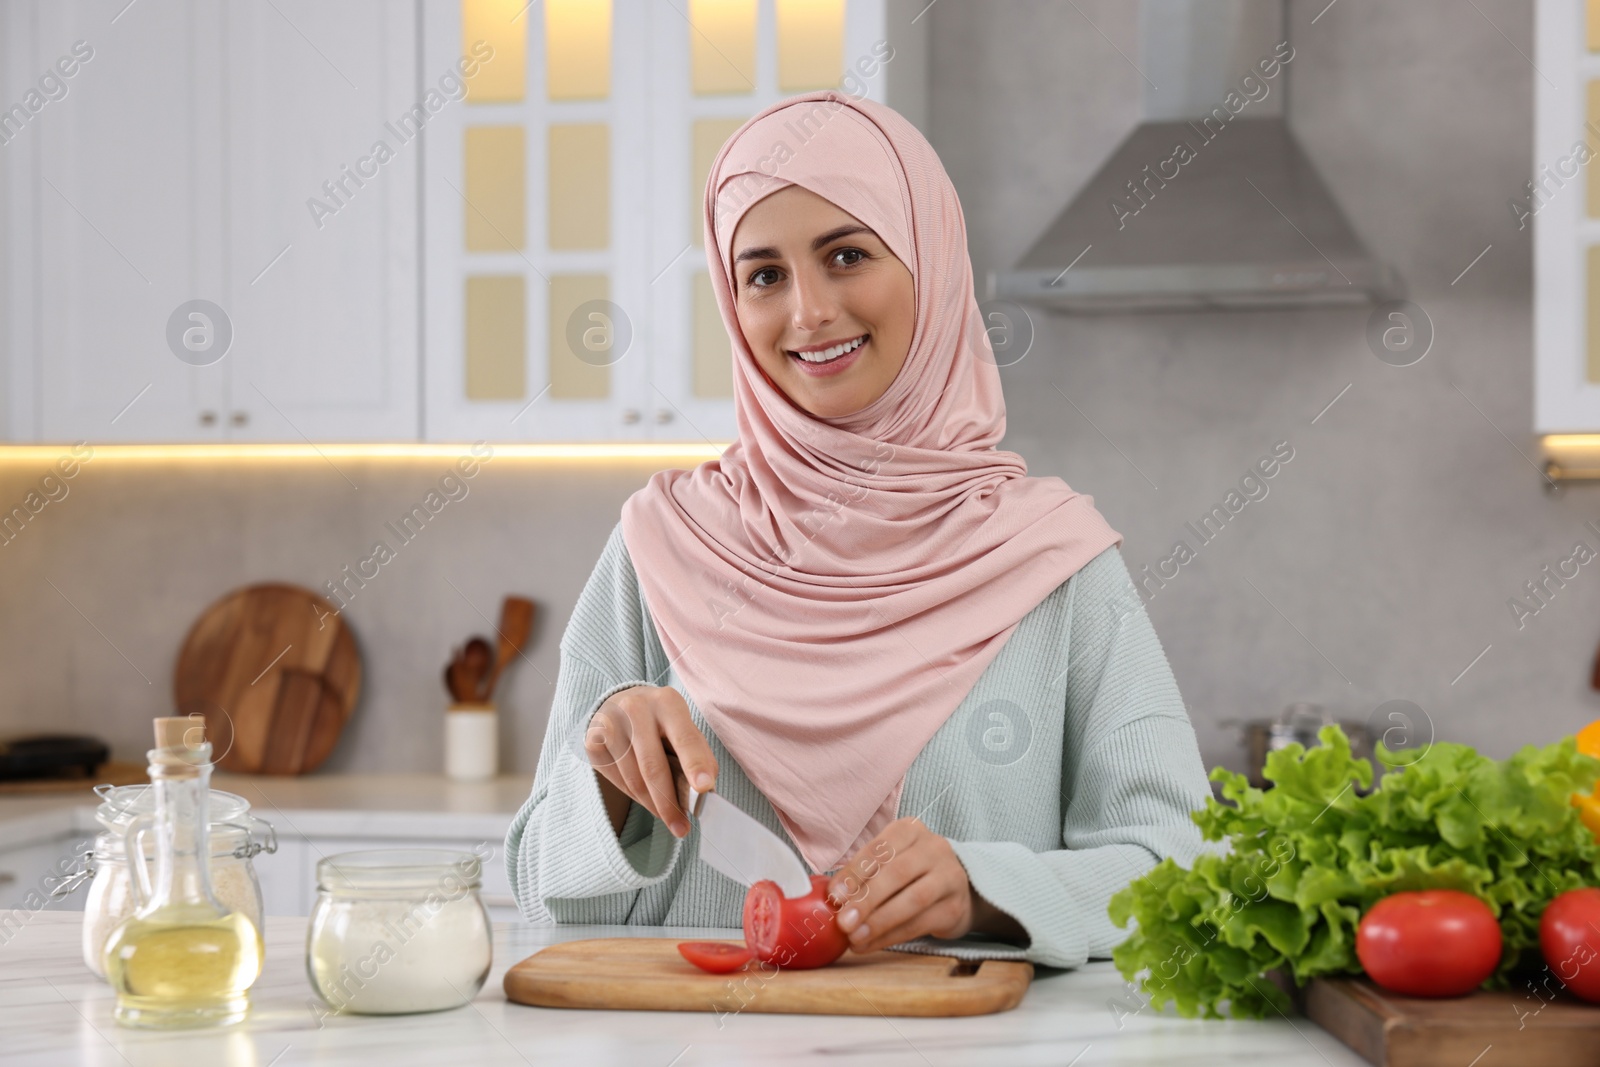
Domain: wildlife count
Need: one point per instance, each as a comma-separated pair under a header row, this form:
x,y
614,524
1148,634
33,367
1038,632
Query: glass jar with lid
x,y
398,930
236,838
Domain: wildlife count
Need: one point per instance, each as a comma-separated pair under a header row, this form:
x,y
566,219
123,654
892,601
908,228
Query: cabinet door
x,y
322,221
28,874
534,230
287,876
124,193
1565,221
18,266
705,80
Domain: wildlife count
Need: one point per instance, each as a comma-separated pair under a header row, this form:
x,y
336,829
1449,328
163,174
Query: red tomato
x,y
796,933
1434,943
718,957
1570,942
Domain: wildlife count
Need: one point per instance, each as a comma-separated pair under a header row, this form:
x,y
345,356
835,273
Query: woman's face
x,y
827,309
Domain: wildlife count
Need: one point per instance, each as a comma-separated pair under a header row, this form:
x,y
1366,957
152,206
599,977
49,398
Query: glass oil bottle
x,y
182,959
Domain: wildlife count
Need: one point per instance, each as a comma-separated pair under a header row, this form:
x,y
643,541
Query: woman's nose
x,y
814,306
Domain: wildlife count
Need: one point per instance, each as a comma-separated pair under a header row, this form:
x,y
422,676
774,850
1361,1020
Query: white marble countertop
x,y
400,805
53,1013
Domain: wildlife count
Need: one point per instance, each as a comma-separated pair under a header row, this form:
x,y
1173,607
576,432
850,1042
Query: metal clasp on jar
x,y
81,873
252,846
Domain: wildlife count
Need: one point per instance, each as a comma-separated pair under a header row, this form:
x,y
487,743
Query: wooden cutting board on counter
x,y
648,974
1515,1028
276,674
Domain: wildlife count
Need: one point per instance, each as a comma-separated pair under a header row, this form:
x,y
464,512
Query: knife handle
x,y
680,784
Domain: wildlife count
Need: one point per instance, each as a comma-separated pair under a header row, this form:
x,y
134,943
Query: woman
x,y
863,624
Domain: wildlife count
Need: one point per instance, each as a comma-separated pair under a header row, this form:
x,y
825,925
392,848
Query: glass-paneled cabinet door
x,y
714,64
568,295
535,231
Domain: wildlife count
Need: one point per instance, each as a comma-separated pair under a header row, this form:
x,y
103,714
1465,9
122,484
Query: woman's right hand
x,y
635,739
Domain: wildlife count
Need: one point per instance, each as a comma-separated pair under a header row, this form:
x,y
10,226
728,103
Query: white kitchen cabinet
x,y
123,185
30,871
321,214
884,59
289,877
180,165
1562,205
230,153
520,398
288,881
17,228
659,125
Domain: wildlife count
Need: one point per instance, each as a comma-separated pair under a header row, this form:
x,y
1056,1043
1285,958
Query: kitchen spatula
x,y
516,623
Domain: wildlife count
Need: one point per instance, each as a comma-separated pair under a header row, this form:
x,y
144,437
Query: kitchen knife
x,y
741,848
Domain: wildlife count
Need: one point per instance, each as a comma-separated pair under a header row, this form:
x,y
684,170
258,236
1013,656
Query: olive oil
x,y
174,970
182,959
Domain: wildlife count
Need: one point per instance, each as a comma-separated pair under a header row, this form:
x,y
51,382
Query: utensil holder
x,y
471,742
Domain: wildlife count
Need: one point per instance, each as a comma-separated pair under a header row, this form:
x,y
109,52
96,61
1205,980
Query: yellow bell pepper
x,y
1588,739
1589,811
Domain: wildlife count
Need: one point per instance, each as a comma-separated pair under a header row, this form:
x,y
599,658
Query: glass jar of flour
x,y
398,930
236,837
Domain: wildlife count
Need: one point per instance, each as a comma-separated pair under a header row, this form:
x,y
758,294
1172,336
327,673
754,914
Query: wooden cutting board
x,y
268,660
1486,1029
648,974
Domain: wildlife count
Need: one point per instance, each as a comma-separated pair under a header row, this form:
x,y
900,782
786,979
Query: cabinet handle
x,y
630,415
663,416
240,418
208,418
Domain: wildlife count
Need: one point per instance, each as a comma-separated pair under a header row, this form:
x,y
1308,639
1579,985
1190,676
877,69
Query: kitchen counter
x,y
397,805
53,1012
400,805
313,817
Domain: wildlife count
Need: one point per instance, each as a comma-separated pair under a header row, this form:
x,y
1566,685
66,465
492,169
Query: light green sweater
x,y
1069,770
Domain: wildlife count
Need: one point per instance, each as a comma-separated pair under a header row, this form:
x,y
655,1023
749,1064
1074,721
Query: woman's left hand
x,y
905,883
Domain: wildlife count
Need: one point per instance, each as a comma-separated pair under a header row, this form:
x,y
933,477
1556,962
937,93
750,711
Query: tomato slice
x,y
763,906
718,957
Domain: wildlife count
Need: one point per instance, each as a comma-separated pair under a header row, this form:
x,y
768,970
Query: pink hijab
x,y
829,590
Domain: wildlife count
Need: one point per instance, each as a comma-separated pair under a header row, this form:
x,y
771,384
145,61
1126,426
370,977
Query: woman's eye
x,y
764,277
849,257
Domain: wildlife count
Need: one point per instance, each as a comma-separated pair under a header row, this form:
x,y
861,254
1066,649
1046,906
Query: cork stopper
x,y
179,731
178,738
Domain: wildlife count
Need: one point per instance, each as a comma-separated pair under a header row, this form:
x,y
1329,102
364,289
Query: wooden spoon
x,y
462,683
479,660
516,623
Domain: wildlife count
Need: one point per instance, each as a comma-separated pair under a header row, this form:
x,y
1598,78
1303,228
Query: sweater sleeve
x,y
1131,774
565,863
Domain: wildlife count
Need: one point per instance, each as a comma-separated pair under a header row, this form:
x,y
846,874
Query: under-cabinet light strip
x,y
1571,456
653,451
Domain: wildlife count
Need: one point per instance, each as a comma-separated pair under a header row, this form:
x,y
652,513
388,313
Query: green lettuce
x,y
1306,859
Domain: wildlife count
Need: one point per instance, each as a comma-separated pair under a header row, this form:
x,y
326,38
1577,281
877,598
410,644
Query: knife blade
x,y
741,848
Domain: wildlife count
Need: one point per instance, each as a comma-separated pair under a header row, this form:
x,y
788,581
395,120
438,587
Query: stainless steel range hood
x,y
1209,202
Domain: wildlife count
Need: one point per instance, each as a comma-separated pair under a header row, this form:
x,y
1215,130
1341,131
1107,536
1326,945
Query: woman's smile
x,y
829,358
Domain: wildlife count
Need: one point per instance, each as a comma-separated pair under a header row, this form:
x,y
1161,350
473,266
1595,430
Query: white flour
x,y
384,957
